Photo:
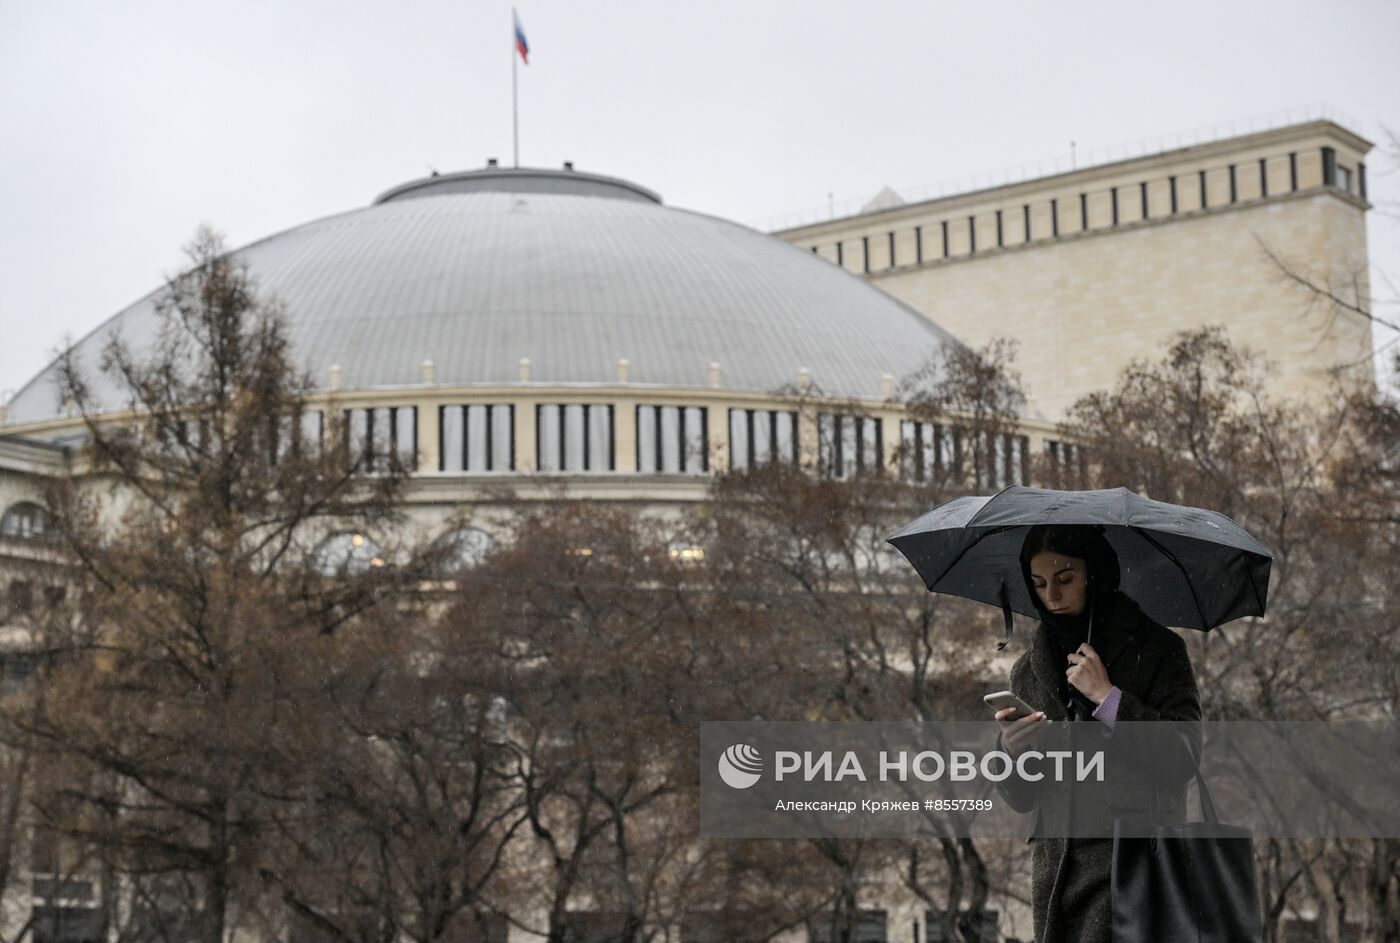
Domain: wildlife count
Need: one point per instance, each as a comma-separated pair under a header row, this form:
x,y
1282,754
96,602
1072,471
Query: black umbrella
x,y
1184,566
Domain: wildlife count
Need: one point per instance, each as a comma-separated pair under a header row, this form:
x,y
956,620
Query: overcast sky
x,y
125,125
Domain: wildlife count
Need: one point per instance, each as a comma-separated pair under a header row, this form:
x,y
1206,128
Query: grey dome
x,y
575,272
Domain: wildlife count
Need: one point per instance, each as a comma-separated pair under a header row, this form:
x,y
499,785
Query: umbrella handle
x,y
1006,615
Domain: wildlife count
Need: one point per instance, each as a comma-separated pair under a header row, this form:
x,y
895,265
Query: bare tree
x,y
162,702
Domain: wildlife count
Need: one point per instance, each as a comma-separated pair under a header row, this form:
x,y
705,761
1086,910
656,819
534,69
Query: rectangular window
x,y
999,237
1171,187
476,438
1026,221
919,244
1083,212
1066,463
1293,171
892,261
865,253
1361,180
1142,196
1113,202
848,443
21,597
290,436
840,254
971,235
672,439
66,925
377,434
760,436
1234,188
945,239
1343,177
1205,195
981,926
1054,217
1263,177
869,928
925,447
1329,167
574,437
1015,469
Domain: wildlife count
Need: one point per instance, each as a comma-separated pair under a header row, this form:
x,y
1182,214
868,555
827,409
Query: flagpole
x,y
514,93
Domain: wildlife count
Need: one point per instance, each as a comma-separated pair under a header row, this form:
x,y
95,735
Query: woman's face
x,y
1060,581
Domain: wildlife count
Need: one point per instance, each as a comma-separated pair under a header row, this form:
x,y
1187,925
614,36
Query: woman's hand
x,y
1088,675
1020,735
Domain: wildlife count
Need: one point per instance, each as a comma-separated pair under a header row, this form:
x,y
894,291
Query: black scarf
x,y
1067,633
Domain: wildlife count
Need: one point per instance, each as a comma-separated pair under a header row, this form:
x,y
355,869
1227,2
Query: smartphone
x,y
1002,699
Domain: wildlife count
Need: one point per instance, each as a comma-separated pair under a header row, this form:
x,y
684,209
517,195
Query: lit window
x,y
686,552
347,554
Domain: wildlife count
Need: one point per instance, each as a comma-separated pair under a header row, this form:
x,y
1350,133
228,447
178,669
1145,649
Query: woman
x,y
1132,670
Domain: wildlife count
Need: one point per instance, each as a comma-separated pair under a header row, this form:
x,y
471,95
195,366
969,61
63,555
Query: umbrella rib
x,y
1189,585
958,559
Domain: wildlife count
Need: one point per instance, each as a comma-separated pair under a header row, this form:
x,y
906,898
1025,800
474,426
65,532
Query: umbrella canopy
x,y
1184,566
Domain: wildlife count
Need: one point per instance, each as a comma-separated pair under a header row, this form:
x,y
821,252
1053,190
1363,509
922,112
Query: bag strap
x,y
1208,811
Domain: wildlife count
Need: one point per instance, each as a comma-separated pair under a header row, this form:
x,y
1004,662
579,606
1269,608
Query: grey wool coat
x,y
1149,664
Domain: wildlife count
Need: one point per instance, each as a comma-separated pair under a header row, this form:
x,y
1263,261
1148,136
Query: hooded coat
x,y
1070,878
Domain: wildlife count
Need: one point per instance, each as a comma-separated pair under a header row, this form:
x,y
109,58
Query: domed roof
x,y
574,271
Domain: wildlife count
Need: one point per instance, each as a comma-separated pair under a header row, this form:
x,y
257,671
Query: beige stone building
x,y
1091,268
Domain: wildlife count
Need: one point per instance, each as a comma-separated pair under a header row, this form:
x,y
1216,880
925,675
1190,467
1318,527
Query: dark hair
x,y
1082,541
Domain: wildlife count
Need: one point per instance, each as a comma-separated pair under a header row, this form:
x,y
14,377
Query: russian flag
x,y
521,46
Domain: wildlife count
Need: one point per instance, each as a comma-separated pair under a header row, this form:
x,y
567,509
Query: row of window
x,y
931,450
579,437
670,439
1096,209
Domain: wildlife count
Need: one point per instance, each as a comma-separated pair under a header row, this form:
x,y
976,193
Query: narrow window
x,y
1234,191
919,244
971,235
892,262
1263,177
1329,167
1142,194
1054,217
1171,185
865,252
1113,201
945,239
1293,171
1361,179
1205,197
1083,212
1026,221
999,242
840,255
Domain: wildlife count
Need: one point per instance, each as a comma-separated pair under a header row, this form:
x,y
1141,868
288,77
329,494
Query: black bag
x,y
1194,881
